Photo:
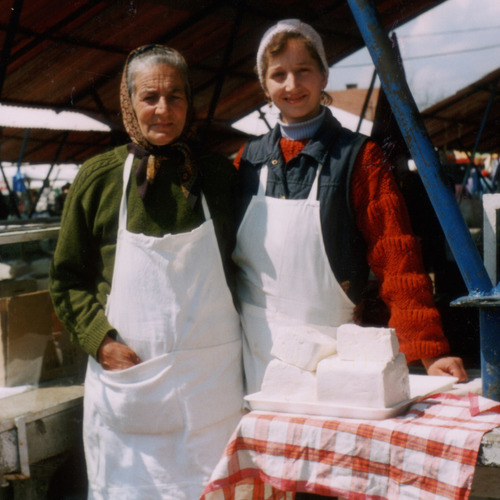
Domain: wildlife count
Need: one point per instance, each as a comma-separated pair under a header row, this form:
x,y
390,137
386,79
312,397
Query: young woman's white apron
x,y
284,276
156,430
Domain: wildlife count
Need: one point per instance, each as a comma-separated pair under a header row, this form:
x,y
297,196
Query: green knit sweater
x,y
82,267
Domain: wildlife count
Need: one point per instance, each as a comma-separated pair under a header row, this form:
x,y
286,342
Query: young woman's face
x,y
294,83
160,103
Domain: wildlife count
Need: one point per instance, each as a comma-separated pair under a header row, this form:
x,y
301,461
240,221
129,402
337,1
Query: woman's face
x,y
160,103
294,83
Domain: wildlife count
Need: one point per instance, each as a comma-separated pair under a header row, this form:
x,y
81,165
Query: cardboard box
x,y
62,358
34,346
9,288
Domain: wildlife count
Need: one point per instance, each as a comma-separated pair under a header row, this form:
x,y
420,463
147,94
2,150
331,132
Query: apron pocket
x,y
216,393
142,399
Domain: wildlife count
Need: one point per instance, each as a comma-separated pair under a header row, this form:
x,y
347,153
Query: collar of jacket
x,y
317,148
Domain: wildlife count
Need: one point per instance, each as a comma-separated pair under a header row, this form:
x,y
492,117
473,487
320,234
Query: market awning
x,y
69,55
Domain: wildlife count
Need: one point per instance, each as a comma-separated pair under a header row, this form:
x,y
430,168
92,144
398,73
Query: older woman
x,y
138,280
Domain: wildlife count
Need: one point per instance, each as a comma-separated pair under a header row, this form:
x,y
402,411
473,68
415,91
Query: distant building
x,y
353,99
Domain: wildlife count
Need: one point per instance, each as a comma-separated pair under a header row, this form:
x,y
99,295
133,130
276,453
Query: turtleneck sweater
x,y
302,130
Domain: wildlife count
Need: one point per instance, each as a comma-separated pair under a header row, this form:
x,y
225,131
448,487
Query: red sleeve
x,y
395,257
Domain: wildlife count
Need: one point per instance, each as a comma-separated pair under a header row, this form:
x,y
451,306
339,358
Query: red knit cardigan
x,y
393,252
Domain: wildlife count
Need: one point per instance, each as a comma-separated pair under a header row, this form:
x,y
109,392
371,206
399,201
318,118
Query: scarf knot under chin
x,y
150,161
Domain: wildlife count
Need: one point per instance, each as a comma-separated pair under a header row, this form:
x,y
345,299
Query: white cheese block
x,y
372,384
303,346
366,343
285,382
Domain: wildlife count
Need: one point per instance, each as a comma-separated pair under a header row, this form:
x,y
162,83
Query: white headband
x,y
291,26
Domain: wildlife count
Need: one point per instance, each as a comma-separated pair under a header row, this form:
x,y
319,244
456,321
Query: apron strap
x,y
127,168
262,181
204,204
313,193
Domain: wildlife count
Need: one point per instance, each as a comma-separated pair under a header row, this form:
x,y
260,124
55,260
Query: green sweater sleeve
x,y
82,265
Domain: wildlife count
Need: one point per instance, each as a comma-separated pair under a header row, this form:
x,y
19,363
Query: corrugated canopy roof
x,y
456,122
29,117
69,55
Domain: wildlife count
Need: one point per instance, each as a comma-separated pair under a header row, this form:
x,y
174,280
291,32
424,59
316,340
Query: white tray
x,y
420,386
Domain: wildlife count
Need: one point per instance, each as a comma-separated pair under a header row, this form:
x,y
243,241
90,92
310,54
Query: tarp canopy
x,y
468,119
69,56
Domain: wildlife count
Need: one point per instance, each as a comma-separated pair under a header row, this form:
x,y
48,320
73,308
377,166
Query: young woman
x,y
319,206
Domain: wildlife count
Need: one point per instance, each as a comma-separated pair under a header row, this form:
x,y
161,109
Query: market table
x,y
429,451
39,428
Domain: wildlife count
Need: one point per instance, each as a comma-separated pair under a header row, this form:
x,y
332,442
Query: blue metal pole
x,y
489,319
413,129
443,200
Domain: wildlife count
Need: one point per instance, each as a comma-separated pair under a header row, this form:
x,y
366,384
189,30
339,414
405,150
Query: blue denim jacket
x,y
336,148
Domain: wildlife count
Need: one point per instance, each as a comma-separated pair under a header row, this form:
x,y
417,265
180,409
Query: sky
x,y
443,50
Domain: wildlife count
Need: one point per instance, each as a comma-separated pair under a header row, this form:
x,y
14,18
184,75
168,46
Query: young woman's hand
x,y
446,365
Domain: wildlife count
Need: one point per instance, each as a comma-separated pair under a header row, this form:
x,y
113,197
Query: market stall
x,y
41,372
38,425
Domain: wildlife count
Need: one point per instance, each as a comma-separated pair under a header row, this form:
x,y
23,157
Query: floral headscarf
x,y
151,156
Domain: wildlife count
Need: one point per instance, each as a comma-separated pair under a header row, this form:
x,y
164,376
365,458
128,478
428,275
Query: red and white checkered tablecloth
x,y
429,452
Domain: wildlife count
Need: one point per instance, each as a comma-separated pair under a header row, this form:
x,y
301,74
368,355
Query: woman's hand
x,y
113,355
446,365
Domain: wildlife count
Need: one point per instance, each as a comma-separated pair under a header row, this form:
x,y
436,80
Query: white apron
x,y
156,430
284,276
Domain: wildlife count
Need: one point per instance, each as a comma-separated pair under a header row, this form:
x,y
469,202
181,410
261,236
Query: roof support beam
x,y
9,40
54,29
476,145
367,100
46,180
47,37
240,9
190,22
105,113
12,195
485,116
